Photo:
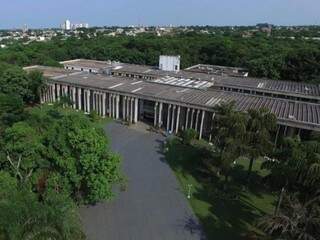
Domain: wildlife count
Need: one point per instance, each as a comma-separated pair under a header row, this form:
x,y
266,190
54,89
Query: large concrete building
x,y
177,100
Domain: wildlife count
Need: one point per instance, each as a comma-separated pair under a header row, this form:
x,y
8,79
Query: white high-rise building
x,y
67,25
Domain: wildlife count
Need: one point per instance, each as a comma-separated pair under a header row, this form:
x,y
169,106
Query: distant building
x,y
66,25
25,28
265,27
80,25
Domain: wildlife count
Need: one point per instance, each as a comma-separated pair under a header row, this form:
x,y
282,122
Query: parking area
x,y
153,206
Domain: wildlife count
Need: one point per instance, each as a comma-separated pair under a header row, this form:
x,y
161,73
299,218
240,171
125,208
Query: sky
x,y
51,13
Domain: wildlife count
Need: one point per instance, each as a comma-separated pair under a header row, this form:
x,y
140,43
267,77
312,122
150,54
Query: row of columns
x,y
85,99
130,109
88,100
174,118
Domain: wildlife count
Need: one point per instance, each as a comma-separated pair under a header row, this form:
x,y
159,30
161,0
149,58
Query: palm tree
x,y
296,167
296,220
260,124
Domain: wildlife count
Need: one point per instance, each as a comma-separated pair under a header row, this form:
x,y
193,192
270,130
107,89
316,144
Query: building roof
x,y
292,113
218,70
276,86
291,88
49,71
86,63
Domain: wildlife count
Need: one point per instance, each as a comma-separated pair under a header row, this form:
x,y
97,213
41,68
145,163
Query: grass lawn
x,y
224,214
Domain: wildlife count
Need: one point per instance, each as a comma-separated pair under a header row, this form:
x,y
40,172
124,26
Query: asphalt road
x,y
152,207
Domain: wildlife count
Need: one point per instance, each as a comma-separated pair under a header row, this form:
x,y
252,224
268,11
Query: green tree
x,y
296,220
79,151
16,81
295,168
188,135
259,127
11,110
24,217
229,135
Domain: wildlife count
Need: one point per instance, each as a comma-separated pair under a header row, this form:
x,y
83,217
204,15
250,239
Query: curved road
x,y
152,207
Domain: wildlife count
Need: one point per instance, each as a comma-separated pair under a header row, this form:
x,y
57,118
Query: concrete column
x,y
197,120
94,102
45,94
79,99
117,106
113,106
173,118
101,103
155,114
53,92
136,110
104,97
74,97
98,104
124,100
131,110
88,101
168,117
187,118
160,115
65,91
128,109
192,116
178,119
110,105
49,94
85,100
201,124
58,92
41,96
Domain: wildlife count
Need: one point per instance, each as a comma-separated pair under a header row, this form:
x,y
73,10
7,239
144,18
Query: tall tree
x,y
229,135
260,125
23,217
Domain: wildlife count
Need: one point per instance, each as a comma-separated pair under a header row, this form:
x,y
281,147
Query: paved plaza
x,y
153,206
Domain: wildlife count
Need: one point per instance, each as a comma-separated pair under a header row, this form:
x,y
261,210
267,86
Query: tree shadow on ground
x,y
230,212
192,225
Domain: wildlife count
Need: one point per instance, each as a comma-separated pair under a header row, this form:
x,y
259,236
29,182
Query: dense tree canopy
x,y
272,57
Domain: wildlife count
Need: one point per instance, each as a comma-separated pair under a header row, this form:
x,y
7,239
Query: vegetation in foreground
x,y
245,188
52,159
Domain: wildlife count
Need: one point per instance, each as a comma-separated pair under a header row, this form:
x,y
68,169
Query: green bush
x,y
188,135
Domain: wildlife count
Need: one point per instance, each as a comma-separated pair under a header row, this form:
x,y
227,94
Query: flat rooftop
x,y
292,113
219,70
87,63
267,85
49,71
259,84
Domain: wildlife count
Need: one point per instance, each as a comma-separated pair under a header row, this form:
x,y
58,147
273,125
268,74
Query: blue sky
x,y
50,13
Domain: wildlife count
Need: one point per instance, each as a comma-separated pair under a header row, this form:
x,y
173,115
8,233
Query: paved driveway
x,y
152,207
